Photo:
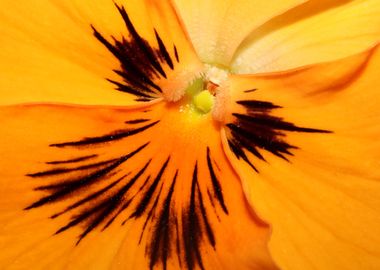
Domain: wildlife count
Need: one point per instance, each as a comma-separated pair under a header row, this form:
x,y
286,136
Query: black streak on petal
x,y
215,182
163,50
136,121
176,53
67,170
148,194
148,53
74,160
106,138
84,181
141,65
89,198
257,130
192,228
250,90
160,245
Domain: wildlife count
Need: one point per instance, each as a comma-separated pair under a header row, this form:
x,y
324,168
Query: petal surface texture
x,y
319,191
50,53
217,27
314,32
141,188
107,164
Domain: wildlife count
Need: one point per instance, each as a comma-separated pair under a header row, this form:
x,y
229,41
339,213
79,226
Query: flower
x,y
188,163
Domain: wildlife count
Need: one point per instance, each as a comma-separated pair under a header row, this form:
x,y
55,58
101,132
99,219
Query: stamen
x,y
215,75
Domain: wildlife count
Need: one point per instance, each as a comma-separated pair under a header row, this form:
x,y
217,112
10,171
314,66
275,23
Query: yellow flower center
x,y
201,94
204,101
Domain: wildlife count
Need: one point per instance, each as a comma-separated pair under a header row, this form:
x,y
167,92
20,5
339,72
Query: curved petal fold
x,y
310,164
314,32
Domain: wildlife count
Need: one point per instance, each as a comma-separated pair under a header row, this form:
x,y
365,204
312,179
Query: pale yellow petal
x,y
218,27
315,32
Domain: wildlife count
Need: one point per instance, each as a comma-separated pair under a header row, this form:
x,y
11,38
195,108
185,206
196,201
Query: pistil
x,y
203,92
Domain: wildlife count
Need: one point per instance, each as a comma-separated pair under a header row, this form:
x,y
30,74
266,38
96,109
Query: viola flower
x,y
190,134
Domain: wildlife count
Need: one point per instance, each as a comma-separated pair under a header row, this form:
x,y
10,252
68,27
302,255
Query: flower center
x,y
204,101
201,94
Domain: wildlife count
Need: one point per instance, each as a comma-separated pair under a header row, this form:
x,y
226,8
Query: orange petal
x,y
218,27
142,187
323,203
50,54
315,32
